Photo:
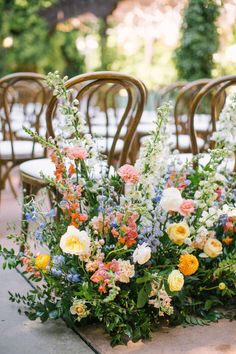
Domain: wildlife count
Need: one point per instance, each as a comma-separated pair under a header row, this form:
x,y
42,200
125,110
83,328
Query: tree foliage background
x,y
35,47
199,40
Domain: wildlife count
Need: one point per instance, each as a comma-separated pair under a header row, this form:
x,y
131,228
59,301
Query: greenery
x,y
199,41
34,47
162,252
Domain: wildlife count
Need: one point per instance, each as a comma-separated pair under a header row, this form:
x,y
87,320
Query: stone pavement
x,y
18,335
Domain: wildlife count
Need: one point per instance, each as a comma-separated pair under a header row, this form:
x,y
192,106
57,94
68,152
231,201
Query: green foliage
x,y
34,48
199,41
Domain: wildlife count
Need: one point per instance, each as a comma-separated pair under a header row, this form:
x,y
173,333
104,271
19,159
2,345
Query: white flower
x,y
142,254
75,242
219,177
171,199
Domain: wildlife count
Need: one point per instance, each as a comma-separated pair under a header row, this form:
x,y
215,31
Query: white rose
x,y
171,199
75,242
142,254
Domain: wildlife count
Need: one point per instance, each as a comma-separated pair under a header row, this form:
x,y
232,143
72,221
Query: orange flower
x,y
227,240
71,170
188,264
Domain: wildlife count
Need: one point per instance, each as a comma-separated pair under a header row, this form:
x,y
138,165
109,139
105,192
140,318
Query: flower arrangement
x,y
164,251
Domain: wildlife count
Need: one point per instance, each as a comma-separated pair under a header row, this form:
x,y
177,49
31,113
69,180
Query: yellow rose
x,y
75,242
222,286
79,308
212,248
175,280
42,261
178,232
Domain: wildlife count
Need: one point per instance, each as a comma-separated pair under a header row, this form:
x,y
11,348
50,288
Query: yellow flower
x,y
178,232
175,280
222,286
42,261
79,308
212,248
75,242
188,264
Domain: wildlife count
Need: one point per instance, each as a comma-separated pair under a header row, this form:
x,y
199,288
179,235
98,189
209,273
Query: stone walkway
x,y
18,335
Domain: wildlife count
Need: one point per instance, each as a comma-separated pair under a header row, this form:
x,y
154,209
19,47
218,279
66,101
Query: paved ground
x,y
18,335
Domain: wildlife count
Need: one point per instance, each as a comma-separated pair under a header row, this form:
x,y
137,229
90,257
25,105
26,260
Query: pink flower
x,y
129,174
76,153
186,207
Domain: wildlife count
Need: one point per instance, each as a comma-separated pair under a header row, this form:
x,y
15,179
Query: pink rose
x,y
129,174
76,153
186,207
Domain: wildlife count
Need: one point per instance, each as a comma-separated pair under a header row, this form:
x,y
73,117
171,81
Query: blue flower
x,y
52,213
113,223
56,272
75,278
58,260
39,235
30,216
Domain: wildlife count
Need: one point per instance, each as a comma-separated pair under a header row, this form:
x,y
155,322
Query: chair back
x,y
23,102
112,104
182,103
217,88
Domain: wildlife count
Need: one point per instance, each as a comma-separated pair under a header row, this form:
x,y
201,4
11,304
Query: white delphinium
x,y
226,132
152,162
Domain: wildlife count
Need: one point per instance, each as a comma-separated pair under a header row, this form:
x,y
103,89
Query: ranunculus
x,y
188,264
175,280
212,248
129,174
171,199
76,153
79,308
178,232
142,254
187,207
75,242
42,261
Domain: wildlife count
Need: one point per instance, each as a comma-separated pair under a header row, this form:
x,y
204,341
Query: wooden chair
x,y
181,139
23,99
118,145
217,88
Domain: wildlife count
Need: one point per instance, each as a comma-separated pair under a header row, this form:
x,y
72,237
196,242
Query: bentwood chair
x,y
95,90
181,139
23,99
217,88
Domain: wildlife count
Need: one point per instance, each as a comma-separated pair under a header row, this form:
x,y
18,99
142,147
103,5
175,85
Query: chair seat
x,y
103,144
22,150
227,164
34,168
185,142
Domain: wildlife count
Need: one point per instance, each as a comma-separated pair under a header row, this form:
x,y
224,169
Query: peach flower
x,y
187,207
129,174
76,153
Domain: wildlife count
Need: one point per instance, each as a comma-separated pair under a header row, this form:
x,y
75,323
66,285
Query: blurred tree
x,y
199,41
27,45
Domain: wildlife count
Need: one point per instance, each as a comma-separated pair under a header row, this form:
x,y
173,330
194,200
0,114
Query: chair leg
x,y
12,187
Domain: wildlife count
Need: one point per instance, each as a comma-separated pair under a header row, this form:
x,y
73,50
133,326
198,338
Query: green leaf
x,y
143,295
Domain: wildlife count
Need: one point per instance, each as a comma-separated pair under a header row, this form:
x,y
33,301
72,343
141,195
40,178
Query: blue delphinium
x,y
75,278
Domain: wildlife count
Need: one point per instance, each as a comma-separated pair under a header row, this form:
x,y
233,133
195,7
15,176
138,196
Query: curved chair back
x,y
23,101
182,103
100,94
218,87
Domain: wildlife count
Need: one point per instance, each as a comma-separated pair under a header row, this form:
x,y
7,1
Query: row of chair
x,y
113,105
